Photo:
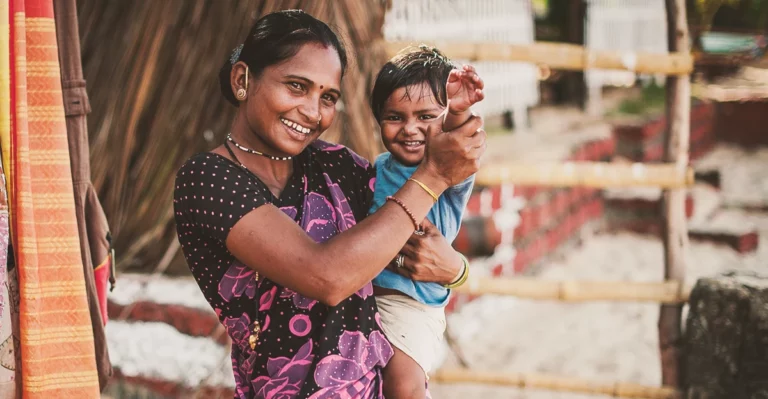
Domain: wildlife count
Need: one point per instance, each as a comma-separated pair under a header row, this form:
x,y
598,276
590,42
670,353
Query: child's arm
x,y
464,88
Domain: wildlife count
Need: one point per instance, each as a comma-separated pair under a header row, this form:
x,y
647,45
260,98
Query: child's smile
x,y
405,118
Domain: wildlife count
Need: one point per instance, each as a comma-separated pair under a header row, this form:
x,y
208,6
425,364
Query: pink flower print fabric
x,y
358,359
285,376
305,349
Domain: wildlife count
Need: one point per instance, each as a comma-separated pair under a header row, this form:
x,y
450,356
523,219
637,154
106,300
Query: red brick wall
x,y
644,142
638,214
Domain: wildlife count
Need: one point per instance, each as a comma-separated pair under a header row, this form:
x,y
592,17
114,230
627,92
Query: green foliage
x,y
650,100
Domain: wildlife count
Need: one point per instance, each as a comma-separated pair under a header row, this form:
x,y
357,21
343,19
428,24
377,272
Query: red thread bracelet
x,y
408,211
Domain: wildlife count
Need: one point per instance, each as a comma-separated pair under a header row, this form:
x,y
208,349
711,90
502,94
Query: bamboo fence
x,y
673,177
587,174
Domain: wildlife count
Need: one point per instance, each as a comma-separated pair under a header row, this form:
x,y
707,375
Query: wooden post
x,y
576,87
675,233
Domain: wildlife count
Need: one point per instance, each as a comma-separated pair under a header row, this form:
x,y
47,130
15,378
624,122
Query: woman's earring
x,y
240,94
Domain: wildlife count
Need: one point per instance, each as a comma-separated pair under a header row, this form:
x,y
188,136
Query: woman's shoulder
x,y
203,162
202,159
326,152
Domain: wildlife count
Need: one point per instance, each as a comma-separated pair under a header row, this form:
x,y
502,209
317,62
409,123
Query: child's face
x,y
405,118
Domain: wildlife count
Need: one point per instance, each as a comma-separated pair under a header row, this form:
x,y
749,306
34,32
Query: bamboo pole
x,y
670,292
554,383
587,174
561,56
675,235
731,91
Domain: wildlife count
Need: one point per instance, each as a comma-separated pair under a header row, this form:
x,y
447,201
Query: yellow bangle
x,y
427,189
464,274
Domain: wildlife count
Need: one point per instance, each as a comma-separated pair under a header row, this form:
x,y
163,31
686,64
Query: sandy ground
x,y
606,342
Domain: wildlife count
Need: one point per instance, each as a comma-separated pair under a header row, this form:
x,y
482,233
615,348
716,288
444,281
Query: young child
x,y
414,90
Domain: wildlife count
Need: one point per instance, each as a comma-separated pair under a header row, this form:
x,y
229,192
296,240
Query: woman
x,y
259,219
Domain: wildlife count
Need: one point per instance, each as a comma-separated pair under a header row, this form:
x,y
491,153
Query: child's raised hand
x,y
464,89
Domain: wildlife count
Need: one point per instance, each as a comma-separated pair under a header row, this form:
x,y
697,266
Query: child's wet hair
x,y
412,66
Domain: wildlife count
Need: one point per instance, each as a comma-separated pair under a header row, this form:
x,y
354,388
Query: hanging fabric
x,y
91,221
57,345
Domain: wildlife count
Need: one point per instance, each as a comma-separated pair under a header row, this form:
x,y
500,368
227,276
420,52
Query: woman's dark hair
x,y
276,37
413,66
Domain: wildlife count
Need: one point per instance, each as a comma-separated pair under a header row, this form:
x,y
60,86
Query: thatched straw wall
x,y
151,68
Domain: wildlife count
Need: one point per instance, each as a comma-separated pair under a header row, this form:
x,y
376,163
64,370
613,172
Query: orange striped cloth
x,y
8,379
57,348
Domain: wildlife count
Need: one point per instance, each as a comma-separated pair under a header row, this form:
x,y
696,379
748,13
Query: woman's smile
x,y
297,131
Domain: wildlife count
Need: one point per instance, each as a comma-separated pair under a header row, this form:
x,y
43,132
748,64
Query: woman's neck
x,y
274,173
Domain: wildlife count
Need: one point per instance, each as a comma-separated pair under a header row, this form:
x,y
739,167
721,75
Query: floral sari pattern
x,y
305,349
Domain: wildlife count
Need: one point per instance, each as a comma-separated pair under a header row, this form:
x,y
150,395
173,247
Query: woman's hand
x,y
429,257
451,157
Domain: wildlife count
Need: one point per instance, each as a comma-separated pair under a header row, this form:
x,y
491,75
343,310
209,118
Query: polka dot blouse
x,y
305,349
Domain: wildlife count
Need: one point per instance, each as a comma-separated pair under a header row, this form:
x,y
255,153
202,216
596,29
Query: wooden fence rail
x,y
554,383
560,56
669,292
587,174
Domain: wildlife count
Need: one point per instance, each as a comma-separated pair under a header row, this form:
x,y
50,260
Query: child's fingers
x,y
454,75
474,80
480,95
478,81
469,68
472,75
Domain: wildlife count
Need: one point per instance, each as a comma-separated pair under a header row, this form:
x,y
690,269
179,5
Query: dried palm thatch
x,y
152,68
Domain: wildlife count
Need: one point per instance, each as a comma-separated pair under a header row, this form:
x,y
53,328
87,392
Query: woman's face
x,y
288,99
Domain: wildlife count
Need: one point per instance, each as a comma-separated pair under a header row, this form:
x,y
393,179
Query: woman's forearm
x,y
330,271
374,242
